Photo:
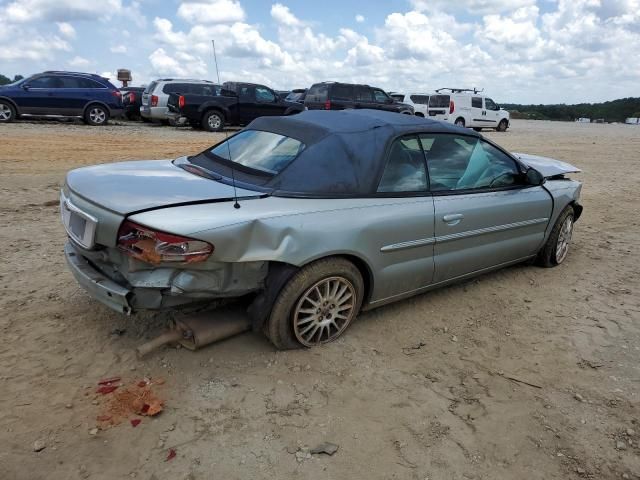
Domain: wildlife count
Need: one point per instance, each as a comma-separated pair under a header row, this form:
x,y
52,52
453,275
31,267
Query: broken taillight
x,y
155,247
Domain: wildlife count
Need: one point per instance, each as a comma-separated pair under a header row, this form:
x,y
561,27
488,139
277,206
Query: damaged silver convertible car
x,y
332,212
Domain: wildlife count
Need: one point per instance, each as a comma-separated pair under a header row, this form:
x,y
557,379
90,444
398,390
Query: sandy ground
x,y
417,390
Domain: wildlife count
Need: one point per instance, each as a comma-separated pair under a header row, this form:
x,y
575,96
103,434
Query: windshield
x,y
265,152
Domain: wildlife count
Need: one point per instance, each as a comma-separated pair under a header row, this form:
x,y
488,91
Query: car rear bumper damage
x,y
137,286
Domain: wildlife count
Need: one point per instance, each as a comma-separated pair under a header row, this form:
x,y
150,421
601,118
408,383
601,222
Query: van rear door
x,y
439,107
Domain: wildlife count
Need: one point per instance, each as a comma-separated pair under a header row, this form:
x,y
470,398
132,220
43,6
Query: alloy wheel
x,y
97,115
324,311
5,112
214,121
564,238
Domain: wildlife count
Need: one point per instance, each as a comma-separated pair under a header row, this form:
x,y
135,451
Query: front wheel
x,y
502,126
317,304
556,249
7,112
96,115
213,121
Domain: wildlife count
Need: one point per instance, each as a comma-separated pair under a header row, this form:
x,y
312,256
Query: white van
x,y
419,101
467,108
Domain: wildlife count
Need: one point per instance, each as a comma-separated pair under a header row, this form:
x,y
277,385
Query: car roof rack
x,y
460,90
73,73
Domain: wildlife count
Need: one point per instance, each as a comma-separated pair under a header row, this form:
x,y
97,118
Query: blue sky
x,y
518,50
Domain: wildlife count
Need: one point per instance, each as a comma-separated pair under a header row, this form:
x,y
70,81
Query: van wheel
x,y
502,126
316,305
459,122
96,115
213,121
477,129
419,114
7,112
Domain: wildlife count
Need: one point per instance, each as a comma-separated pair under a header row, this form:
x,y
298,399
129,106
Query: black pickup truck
x,y
237,104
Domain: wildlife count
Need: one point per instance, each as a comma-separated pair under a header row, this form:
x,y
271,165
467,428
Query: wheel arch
x,y
95,102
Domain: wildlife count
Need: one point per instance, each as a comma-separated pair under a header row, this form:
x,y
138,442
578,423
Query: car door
x,y
383,101
485,213
491,112
72,96
38,98
268,103
246,104
364,97
403,232
477,115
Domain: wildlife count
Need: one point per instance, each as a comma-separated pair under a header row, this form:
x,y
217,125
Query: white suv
x,y
467,108
419,101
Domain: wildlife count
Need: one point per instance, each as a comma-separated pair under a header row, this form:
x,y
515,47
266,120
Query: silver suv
x,y
155,96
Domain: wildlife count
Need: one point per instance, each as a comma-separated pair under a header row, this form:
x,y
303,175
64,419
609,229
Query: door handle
x,y
453,218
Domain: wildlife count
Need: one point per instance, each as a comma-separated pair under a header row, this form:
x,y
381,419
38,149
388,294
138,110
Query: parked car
x,y
419,101
238,104
467,108
335,212
61,94
132,101
154,98
340,96
297,95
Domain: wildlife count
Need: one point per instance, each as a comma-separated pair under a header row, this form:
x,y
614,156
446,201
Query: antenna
x,y
236,205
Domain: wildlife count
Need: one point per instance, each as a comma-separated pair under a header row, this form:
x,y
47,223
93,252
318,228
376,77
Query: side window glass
x,y
490,104
363,94
264,95
247,93
45,82
466,163
342,92
405,170
380,96
476,102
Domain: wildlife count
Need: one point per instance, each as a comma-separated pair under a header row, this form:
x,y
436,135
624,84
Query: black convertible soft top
x,y
345,150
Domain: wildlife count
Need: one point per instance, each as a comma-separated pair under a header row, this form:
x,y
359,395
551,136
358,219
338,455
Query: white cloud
x,y
78,61
118,49
181,64
471,6
211,11
20,11
66,30
28,46
359,18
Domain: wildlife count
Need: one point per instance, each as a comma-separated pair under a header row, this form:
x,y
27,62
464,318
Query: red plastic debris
x,y
135,422
107,381
171,454
106,389
103,418
142,384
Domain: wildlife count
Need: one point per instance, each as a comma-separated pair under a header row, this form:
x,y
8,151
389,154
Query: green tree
x,y
4,80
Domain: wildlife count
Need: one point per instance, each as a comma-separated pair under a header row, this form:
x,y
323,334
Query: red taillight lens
x,y
327,105
132,97
452,106
117,93
156,247
181,101
154,100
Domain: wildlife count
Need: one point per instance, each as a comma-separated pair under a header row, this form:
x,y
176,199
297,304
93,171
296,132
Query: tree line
x,y
5,80
613,111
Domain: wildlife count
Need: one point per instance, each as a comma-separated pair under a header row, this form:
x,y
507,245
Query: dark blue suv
x,y
61,94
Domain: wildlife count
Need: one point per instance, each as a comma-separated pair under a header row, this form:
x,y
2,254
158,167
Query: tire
x,y
502,126
552,254
145,119
213,121
290,325
477,129
459,122
96,115
7,112
419,114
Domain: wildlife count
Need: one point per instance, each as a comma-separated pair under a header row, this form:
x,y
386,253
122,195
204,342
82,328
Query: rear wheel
x,y
96,115
213,121
477,129
556,249
502,126
7,112
459,122
317,304
419,114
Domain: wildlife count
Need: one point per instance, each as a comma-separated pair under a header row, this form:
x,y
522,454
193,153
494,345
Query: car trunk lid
x,y
128,187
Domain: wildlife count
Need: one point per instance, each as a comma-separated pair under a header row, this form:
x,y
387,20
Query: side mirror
x,y
534,177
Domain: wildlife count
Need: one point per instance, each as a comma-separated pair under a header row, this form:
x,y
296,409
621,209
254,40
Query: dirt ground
x,y
428,388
